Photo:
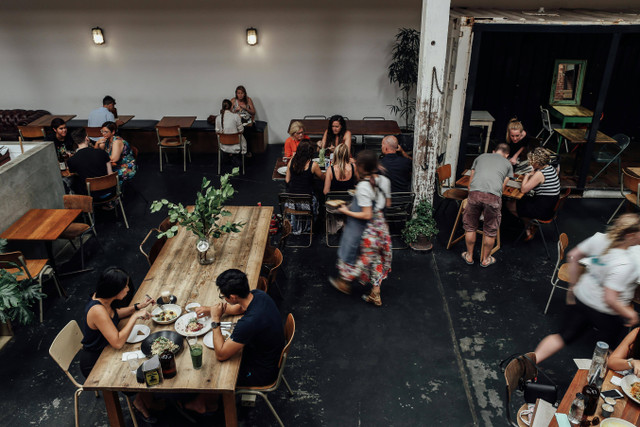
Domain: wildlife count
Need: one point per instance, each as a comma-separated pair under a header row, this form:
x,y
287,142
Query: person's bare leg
x,y
487,246
470,241
141,404
199,404
550,345
511,206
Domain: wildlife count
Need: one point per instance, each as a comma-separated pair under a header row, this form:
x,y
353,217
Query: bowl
x,y
175,337
176,310
615,422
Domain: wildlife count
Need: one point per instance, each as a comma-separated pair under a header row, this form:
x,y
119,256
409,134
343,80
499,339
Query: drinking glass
x,y
196,355
133,361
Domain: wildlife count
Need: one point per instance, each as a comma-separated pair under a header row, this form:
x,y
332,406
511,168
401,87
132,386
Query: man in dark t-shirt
x,y
259,333
397,167
88,162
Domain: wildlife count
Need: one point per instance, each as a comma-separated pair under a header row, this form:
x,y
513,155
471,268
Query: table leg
x,y
230,414
52,260
114,410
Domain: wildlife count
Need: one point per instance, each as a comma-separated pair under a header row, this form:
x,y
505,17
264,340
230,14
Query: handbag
x,y
532,389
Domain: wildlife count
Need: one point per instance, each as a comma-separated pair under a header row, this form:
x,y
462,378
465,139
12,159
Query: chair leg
x,y
273,411
160,152
184,158
544,242
75,405
287,385
123,214
549,300
133,415
616,211
219,158
242,154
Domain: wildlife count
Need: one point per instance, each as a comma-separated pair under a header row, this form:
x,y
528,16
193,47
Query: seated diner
x,y
342,175
229,122
61,139
119,150
296,135
336,134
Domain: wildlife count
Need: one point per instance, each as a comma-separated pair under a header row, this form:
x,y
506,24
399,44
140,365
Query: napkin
x,y
563,420
138,353
582,363
543,413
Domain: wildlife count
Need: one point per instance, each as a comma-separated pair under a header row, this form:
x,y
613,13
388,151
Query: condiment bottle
x,y
591,394
576,413
152,372
168,363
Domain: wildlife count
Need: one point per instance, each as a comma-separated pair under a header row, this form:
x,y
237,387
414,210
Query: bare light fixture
x,y
252,36
98,35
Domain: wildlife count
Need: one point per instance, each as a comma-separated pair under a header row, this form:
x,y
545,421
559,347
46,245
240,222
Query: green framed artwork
x,y
567,83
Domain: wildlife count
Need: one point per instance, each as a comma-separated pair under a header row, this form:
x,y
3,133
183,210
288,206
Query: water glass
x,y
133,361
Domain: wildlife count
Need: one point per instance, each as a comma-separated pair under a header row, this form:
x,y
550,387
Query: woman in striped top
x,y
543,181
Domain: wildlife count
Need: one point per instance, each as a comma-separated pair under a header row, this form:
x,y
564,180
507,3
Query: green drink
x,y
196,356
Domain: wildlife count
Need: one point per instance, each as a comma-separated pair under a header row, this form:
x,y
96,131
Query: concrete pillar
x,y
429,103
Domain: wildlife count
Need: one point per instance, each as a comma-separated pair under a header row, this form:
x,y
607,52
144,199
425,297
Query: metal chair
x,y
229,139
628,181
170,137
560,271
331,215
31,269
30,133
605,156
299,207
315,117
63,350
155,248
107,182
289,331
519,369
372,142
445,190
79,229
547,126
539,222
286,231
398,214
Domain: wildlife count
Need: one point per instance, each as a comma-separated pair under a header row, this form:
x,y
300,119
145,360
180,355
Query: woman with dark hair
x,y
61,139
365,246
299,179
229,122
627,354
243,105
119,150
336,134
100,323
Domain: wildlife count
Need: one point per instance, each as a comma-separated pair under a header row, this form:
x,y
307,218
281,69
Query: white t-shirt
x,y
365,193
614,270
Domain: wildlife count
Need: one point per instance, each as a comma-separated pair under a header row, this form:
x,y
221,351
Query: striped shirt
x,y
551,184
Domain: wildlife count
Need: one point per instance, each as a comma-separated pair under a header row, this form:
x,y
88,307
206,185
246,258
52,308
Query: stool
x,y
453,240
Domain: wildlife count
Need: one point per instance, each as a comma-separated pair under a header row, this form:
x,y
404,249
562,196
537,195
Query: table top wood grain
x,y
357,127
41,224
275,176
124,118
46,119
579,136
177,270
573,110
511,192
182,121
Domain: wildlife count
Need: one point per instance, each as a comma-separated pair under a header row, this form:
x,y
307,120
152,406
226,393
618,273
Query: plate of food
x,y
208,339
282,170
169,315
616,422
158,342
631,386
335,203
138,333
189,325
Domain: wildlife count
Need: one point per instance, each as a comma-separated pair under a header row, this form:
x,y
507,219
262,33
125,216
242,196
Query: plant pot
x,y
422,244
206,251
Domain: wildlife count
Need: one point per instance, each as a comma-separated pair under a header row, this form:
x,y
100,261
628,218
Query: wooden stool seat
x,y
173,142
453,239
75,229
563,273
34,266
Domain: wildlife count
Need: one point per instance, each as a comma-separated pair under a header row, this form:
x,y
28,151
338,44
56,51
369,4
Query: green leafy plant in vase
x,y
419,230
205,220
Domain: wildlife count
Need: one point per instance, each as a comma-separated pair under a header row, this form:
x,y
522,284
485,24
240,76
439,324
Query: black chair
x,y
399,213
298,208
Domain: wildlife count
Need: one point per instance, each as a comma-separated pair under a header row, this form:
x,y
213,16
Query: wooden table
x,y
579,136
177,270
124,119
511,192
571,114
483,118
625,408
42,224
182,121
275,175
357,127
46,119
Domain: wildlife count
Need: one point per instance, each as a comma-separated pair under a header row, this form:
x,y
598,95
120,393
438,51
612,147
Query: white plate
x,y
626,386
208,339
282,170
317,159
135,337
191,307
167,307
615,422
181,325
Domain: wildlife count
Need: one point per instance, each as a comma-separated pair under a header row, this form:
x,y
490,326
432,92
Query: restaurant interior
x,y
431,354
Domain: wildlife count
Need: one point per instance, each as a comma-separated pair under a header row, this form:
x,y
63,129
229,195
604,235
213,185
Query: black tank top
x,y
93,340
301,183
343,185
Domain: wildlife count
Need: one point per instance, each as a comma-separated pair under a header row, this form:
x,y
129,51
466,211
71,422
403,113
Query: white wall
x,y
160,60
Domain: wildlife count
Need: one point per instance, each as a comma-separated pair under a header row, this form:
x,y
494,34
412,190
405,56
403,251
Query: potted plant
x,y
205,219
419,230
403,70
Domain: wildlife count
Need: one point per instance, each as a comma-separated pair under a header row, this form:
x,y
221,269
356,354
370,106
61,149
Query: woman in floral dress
x,y
121,155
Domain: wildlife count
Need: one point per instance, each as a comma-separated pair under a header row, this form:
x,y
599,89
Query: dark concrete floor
x,y
428,357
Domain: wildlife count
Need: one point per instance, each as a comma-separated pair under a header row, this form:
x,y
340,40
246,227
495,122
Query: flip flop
x,y
464,257
492,261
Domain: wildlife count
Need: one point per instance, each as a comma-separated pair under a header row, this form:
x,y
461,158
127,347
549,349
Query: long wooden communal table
x,y
177,270
625,408
46,119
357,127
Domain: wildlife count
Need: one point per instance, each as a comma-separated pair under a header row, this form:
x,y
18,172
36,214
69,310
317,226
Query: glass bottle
x,y
598,369
168,364
576,413
591,395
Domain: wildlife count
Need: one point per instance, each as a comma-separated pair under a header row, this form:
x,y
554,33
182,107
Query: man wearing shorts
x,y
490,173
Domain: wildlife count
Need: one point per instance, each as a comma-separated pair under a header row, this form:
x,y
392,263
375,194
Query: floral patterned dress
x,y
126,166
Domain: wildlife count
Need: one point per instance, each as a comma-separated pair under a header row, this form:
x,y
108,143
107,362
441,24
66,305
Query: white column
x,y
430,96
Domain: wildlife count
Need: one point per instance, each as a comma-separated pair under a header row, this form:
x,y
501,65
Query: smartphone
x,y
612,393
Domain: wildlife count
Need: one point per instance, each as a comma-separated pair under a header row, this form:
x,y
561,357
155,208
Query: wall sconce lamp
x,y
98,35
252,36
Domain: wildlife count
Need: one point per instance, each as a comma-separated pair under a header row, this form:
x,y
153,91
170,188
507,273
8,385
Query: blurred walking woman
x,y
365,246
601,297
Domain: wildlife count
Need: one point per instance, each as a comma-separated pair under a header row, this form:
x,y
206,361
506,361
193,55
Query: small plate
x,y
191,307
138,333
282,170
208,339
181,325
626,384
167,307
615,422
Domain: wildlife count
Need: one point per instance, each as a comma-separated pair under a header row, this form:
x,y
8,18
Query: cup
x,y
607,410
196,355
134,362
166,297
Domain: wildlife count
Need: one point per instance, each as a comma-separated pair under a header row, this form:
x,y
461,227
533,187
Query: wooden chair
x,y
398,214
32,269
458,222
30,133
631,182
445,190
93,132
372,142
605,156
107,182
519,369
299,207
286,231
539,222
166,224
170,137
79,229
289,331
272,260
263,284
332,215
561,270
63,350
229,139
155,248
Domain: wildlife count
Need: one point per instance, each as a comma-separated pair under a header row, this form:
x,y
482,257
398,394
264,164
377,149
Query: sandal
x,y
373,299
340,285
464,256
491,261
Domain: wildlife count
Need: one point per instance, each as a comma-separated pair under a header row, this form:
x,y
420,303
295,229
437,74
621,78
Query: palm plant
x,y
403,70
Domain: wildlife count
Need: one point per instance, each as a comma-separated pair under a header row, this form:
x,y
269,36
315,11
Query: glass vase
x,y
206,252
